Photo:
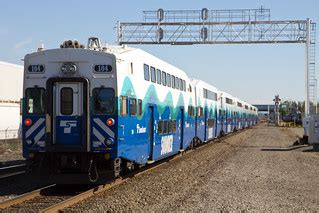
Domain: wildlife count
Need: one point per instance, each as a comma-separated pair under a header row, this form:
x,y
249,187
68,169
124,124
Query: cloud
x,y
23,43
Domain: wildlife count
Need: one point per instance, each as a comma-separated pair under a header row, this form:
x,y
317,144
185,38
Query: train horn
x,y
70,44
76,44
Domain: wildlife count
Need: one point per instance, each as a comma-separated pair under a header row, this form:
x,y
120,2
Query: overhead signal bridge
x,y
242,26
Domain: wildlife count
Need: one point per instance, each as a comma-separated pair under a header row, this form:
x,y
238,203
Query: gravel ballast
x,y
253,170
10,151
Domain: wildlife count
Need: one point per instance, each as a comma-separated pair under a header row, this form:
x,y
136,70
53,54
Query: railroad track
x,y
42,199
54,198
9,171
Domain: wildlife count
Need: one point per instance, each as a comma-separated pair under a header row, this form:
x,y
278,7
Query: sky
x,y
254,73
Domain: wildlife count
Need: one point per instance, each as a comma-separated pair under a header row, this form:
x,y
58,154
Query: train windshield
x,y
35,100
103,101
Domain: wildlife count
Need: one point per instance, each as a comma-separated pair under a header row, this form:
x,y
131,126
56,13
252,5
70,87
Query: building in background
x,y
11,82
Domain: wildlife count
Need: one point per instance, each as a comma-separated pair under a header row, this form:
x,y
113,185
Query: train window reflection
x,y
66,101
123,109
35,100
132,106
103,101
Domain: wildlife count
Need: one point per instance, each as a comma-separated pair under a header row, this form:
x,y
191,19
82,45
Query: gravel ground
x,y
251,170
11,154
17,185
10,151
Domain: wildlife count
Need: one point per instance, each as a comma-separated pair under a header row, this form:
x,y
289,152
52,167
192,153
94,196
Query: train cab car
x,y
246,115
228,109
255,115
207,123
94,112
238,114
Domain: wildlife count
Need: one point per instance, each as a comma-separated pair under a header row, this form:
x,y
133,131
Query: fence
x,y
9,134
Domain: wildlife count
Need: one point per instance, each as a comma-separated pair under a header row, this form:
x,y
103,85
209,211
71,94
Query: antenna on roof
x,y
41,47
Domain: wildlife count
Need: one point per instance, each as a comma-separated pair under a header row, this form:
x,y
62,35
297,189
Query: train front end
x,y
69,114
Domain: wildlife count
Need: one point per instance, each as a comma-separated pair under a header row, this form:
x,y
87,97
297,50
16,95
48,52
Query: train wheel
x,y
221,134
192,144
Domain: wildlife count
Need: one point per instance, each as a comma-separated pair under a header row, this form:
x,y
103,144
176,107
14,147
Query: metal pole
x,y
307,68
316,99
118,32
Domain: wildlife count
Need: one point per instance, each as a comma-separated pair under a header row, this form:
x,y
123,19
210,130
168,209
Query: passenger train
x,y
90,113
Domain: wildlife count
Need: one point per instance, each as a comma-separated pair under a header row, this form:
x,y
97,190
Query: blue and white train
x,y
92,113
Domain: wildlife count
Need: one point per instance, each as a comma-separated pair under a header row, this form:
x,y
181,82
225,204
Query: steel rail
x,y
24,197
104,187
9,171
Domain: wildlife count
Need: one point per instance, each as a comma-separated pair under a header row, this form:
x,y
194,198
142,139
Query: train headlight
x,y
72,68
69,68
63,68
109,141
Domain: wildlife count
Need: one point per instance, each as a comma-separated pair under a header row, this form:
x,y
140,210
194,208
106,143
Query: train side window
x,y
153,75
173,81
159,76
174,126
170,126
35,100
190,88
181,84
103,100
168,80
160,127
132,106
177,83
184,86
146,72
139,112
165,127
164,78
191,112
123,105
66,98
210,122
131,67
200,112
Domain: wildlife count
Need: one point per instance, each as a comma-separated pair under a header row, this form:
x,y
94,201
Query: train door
x,y
235,121
216,132
151,132
182,129
68,118
205,123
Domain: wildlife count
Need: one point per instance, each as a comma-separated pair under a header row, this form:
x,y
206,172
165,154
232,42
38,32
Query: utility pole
x,y
277,101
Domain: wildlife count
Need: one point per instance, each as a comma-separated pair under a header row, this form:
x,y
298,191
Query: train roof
x,y
128,53
123,52
225,94
197,82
